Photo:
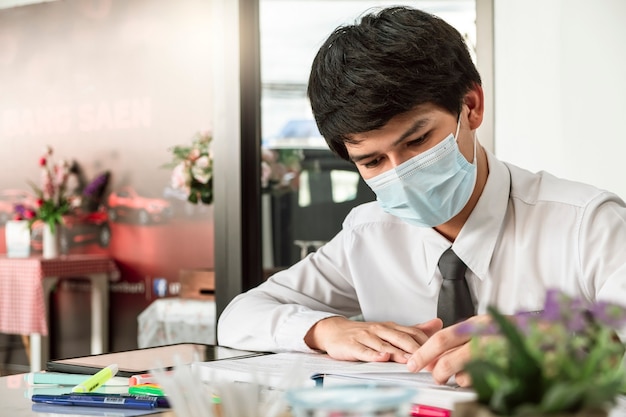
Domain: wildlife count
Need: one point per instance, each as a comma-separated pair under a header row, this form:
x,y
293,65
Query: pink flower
x,y
180,177
194,154
200,170
29,214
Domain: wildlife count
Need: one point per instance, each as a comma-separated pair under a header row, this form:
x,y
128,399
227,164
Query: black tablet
x,y
140,361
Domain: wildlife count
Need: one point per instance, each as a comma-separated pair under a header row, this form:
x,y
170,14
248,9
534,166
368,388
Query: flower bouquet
x,y
193,169
565,359
52,202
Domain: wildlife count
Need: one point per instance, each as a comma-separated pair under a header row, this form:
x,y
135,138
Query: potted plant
x,y
564,360
52,202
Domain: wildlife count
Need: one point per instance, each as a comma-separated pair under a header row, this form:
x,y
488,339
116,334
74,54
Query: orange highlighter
x,y
141,379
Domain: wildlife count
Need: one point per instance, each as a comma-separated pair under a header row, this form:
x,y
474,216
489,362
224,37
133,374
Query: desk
x,y
176,320
15,400
25,287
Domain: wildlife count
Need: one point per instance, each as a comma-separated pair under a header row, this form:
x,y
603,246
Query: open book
x,y
293,370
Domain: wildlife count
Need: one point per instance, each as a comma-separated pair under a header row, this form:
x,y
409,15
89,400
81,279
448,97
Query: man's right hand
x,y
351,340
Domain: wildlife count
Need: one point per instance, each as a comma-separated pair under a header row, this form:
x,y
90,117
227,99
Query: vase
x,y
50,241
17,238
475,409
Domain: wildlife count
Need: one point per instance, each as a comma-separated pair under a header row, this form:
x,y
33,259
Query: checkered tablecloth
x,y
22,307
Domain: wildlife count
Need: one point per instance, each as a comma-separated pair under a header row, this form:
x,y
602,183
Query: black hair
x,y
385,65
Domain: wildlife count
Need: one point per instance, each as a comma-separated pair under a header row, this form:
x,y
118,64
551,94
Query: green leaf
x,y
486,378
504,400
523,367
600,393
563,396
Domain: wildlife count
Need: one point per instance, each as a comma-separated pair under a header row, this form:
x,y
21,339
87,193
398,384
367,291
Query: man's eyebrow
x,y
417,125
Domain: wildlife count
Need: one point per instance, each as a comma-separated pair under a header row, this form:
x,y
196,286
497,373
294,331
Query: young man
x,y
398,95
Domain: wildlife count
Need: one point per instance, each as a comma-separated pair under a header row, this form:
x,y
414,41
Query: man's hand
x,y
445,354
351,340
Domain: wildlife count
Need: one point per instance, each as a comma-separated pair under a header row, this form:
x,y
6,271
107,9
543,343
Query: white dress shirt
x,y
529,232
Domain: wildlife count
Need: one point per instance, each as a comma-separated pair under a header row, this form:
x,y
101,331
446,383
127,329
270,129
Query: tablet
x,y
141,361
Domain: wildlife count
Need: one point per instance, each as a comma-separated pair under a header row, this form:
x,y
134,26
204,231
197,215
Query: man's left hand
x,y
445,354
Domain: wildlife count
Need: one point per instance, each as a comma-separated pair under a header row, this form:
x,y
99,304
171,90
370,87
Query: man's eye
x,y
373,163
417,142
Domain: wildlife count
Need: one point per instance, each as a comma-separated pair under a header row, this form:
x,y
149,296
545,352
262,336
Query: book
x,y
428,391
284,371
274,370
61,378
67,389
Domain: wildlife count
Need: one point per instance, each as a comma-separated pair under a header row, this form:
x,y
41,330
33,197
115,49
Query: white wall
x,y
560,88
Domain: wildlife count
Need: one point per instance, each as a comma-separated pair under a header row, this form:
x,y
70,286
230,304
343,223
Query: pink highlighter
x,y
418,410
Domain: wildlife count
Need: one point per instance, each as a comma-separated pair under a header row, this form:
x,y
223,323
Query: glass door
x,y
307,190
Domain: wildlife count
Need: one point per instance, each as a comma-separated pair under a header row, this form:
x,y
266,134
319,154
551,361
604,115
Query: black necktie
x,y
455,302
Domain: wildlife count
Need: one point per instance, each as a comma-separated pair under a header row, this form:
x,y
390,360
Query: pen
x,y
161,400
105,401
96,379
419,410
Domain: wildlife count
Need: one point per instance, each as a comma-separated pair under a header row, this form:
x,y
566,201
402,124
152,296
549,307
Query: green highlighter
x,y
146,389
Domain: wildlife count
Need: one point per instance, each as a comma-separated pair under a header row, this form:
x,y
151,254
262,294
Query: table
x,y
25,287
176,320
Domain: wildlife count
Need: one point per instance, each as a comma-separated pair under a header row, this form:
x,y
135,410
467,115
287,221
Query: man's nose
x,y
398,158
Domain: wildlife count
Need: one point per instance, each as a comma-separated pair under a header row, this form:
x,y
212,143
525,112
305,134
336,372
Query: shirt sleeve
x,y
601,243
276,315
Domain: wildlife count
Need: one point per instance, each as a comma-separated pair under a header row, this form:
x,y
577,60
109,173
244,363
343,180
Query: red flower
x,y
39,202
42,161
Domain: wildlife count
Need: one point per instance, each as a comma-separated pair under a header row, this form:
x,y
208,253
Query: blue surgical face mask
x,y
430,188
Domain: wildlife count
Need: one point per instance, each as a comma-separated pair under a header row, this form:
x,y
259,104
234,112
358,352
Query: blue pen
x,y
104,401
161,400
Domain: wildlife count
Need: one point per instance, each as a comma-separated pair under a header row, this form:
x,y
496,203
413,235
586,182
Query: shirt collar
x,y
477,239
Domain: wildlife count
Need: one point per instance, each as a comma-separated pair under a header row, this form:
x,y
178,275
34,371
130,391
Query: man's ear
x,y
475,101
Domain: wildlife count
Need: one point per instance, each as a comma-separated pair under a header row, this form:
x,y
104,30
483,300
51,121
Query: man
x,y
398,95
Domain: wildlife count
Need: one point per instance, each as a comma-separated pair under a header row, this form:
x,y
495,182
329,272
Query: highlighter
x,y
96,380
418,410
146,389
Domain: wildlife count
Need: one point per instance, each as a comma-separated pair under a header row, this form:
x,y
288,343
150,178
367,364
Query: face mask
x,y
430,188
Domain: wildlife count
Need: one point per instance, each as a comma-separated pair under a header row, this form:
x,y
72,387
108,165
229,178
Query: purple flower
x,y
94,188
20,209
577,322
610,315
552,306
